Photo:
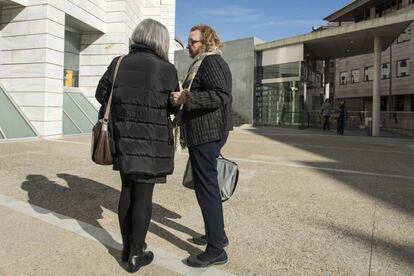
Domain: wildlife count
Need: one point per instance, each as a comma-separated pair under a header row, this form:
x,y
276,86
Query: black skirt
x,y
145,179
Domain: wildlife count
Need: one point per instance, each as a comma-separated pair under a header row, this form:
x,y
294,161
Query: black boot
x,y
139,257
126,248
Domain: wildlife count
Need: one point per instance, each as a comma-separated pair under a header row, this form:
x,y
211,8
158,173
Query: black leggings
x,y
135,209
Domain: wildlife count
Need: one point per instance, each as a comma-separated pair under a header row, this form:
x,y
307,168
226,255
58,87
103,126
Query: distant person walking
x,y
342,117
141,130
326,111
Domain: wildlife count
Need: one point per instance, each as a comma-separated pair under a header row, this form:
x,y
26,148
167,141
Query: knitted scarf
x,y
188,81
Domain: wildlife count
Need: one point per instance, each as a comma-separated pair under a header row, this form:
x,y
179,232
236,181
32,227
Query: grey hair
x,y
154,35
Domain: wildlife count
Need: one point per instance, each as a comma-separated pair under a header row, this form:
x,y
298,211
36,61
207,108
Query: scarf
x,y
188,81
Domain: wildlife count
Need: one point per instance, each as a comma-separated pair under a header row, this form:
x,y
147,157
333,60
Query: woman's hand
x,y
178,97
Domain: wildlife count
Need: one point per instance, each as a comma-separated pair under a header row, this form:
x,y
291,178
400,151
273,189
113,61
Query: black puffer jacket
x,y
140,125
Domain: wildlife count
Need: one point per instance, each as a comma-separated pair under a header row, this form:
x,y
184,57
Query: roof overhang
x,y
4,3
349,40
349,12
74,24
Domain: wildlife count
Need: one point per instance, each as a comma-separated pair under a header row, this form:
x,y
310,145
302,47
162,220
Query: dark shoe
x,y
126,248
204,259
139,258
203,241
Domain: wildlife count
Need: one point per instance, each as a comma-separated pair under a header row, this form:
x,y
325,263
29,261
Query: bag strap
x,y
108,106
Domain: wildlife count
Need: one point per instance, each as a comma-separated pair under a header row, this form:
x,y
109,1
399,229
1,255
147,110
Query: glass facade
x,y
69,126
286,70
286,102
275,104
12,123
79,116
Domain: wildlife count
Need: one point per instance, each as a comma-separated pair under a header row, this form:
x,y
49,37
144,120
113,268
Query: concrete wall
x,y
31,62
240,56
282,55
122,18
32,48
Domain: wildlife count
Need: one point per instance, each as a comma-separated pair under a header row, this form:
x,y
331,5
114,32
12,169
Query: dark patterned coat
x,y
207,116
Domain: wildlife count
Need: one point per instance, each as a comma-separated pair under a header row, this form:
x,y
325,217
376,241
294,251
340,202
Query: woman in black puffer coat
x,y
141,130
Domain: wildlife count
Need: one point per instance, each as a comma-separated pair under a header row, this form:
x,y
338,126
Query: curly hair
x,y
210,38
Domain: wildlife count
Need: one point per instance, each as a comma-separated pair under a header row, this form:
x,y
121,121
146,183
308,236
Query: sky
x,y
265,19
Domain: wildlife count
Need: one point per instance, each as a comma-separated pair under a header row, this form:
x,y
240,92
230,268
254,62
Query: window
x,y
355,76
368,73
383,103
404,36
71,60
412,102
343,77
399,103
403,68
385,71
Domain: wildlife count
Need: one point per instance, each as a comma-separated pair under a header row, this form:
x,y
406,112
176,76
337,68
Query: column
x,y
376,88
327,88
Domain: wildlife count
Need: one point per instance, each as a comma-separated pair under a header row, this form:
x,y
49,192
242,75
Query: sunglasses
x,y
192,41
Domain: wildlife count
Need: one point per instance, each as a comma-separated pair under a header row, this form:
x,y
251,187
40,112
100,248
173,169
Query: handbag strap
x,y
108,106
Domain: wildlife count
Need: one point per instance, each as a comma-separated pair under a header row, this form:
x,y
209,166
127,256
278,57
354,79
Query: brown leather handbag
x,y
100,148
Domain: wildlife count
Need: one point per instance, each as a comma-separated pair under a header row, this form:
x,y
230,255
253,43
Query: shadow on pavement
x,y
372,155
359,155
403,252
84,199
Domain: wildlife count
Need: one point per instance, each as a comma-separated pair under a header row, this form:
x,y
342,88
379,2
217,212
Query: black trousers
x,y
204,164
326,123
135,209
340,125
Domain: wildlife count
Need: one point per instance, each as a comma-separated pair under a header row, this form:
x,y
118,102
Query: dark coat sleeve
x,y
104,87
174,109
214,81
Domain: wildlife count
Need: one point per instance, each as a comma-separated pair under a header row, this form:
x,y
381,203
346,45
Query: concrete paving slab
x,y
306,203
393,234
108,240
44,249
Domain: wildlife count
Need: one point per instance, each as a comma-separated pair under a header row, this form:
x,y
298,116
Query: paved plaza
x,y
308,203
